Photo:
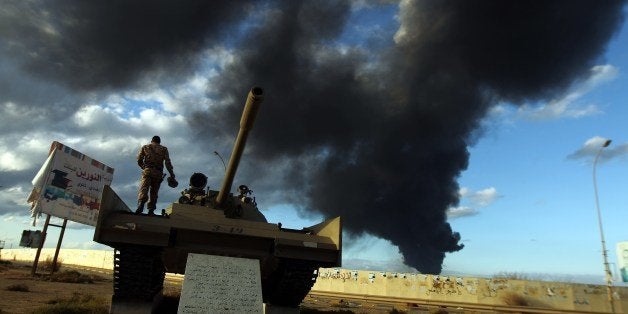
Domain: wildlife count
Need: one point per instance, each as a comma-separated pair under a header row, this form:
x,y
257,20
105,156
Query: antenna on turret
x,y
223,161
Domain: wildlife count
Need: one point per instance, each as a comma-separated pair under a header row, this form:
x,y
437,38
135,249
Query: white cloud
x,y
13,201
460,211
474,200
11,162
484,197
86,245
23,151
592,146
76,225
567,106
403,36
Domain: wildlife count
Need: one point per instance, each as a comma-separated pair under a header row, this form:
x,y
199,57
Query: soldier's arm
x,y
168,163
140,158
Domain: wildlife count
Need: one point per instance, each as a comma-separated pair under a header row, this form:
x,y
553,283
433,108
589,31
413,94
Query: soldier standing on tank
x,y
151,159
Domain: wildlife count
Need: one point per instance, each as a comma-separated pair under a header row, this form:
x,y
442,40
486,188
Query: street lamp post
x,y
607,270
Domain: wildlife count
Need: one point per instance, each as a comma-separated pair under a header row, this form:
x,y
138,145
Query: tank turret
x,y
243,205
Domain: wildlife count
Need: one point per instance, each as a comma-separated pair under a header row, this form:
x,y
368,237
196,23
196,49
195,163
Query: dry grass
x,y
4,265
514,299
18,287
316,311
78,303
73,276
47,264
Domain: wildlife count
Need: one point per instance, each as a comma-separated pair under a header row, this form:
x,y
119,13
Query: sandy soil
x,y
41,291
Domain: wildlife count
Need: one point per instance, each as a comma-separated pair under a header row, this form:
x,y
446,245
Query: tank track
x,y
290,283
138,272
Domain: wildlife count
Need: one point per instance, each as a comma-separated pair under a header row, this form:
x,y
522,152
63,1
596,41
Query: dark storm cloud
x,y
95,44
384,141
56,57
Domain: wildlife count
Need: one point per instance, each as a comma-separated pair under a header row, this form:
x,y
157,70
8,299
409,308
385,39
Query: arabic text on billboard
x,y
69,185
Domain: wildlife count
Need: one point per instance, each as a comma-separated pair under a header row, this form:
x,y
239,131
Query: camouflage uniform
x,y
151,159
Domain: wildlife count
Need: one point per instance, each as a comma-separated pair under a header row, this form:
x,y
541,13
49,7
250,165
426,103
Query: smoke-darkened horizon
x,y
376,133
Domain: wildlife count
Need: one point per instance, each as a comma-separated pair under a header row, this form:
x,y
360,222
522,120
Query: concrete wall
x,y
542,294
91,258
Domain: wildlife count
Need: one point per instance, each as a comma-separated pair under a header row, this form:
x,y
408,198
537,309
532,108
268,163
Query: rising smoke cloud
x,y
377,133
382,142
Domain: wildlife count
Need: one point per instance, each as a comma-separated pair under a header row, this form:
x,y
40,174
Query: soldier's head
x,y
156,139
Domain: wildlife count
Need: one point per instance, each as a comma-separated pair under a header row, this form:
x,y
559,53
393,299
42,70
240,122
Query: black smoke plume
x,y
381,142
377,133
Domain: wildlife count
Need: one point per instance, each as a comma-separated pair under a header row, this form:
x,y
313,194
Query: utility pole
x,y
607,269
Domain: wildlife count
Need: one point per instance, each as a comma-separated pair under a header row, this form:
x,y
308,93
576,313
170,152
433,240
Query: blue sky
x,y
544,218
527,200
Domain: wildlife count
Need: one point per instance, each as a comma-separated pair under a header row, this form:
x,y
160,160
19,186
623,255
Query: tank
x,y
206,221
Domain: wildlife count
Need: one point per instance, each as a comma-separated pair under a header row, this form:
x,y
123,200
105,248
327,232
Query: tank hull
x,y
198,229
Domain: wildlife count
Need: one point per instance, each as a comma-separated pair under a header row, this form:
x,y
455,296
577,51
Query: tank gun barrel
x,y
253,101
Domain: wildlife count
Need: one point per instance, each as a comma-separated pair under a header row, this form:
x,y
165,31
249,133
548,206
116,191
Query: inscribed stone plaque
x,y
219,284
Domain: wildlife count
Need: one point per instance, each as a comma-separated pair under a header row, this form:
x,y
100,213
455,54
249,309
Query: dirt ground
x,y
41,291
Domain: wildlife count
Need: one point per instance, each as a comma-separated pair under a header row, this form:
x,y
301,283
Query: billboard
x,y
69,185
31,239
622,260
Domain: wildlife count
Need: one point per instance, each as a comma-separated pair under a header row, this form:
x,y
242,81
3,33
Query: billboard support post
x,y
54,260
41,245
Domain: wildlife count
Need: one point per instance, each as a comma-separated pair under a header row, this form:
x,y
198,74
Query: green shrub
x,y
18,287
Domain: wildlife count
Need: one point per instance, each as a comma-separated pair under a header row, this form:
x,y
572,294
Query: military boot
x,y
140,206
151,211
